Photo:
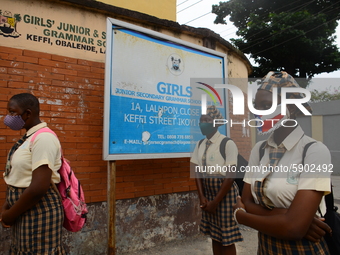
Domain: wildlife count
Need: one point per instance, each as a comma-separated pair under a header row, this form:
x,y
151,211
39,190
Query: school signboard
x,y
154,86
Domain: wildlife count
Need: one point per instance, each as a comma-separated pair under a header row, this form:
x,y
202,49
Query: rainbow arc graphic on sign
x,y
211,94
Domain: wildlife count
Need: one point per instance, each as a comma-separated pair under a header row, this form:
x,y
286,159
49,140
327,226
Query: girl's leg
x,y
216,247
219,249
229,250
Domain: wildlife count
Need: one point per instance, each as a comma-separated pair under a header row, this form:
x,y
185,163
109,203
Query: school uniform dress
x,y
38,230
220,226
279,187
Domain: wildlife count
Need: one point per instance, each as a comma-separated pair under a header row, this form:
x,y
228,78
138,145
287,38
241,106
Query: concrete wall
x,y
164,9
92,239
328,123
146,221
141,223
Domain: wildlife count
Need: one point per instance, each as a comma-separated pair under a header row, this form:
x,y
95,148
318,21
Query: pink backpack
x,y
71,193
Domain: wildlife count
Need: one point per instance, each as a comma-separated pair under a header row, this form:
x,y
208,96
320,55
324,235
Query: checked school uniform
x,y
220,226
38,230
278,189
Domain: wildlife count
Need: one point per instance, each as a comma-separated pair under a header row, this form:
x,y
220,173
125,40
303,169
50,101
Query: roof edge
x,y
148,19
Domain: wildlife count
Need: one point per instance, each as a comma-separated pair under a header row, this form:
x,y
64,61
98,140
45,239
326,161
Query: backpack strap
x,y
329,199
222,146
46,130
43,130
261,150
305,151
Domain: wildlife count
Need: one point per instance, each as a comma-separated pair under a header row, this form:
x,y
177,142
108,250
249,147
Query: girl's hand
x,y
239,203
4,224
203,203
6,219
317,229
211,207
5,207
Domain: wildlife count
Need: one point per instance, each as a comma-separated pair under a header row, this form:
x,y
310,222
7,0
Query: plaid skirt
x,y
37,231
272,246
221,225
268,245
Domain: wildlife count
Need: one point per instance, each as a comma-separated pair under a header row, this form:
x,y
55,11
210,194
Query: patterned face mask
x,y
14,122
266,124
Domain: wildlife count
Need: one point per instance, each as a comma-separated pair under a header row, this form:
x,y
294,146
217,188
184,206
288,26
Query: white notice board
x,y
153,89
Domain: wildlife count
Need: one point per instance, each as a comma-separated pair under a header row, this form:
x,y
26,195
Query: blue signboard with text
x,y
152,105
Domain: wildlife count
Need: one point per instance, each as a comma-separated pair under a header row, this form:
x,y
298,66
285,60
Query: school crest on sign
x,y
8,24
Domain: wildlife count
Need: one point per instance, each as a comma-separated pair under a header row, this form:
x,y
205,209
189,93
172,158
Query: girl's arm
x,y
317,228
41,180
291,225
199,186
230,159
257,209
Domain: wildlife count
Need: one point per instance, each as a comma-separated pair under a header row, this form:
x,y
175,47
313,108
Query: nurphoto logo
x,y
275,110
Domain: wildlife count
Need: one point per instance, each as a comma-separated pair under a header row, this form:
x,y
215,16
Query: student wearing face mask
x,y
217,190
281,201
33,208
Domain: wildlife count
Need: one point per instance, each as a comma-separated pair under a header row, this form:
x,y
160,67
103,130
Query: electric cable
x,y
190,6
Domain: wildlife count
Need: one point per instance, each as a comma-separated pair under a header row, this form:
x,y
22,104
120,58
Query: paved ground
x,y
201,245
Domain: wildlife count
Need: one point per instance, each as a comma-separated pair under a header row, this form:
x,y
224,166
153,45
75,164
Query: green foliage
x,y
326,95
292,35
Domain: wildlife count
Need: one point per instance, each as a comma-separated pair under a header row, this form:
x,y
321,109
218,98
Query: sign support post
x,y
111,199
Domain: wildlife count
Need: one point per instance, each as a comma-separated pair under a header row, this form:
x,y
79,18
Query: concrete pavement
x,y
201,245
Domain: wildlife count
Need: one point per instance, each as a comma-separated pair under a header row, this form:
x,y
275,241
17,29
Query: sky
x,y
197,13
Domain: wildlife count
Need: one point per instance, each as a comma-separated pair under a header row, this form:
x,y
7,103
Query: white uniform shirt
x,y
214,157
281,186
45,150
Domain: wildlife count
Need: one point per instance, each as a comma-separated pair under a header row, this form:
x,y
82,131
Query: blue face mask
x,y
207,128
14,122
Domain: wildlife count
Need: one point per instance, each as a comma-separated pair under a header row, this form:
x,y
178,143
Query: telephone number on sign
x,y
179,136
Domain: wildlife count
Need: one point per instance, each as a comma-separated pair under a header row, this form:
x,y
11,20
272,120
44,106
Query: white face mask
x,y
268,123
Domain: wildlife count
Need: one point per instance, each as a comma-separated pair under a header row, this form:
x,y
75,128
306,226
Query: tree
x,y
324,96
296,36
